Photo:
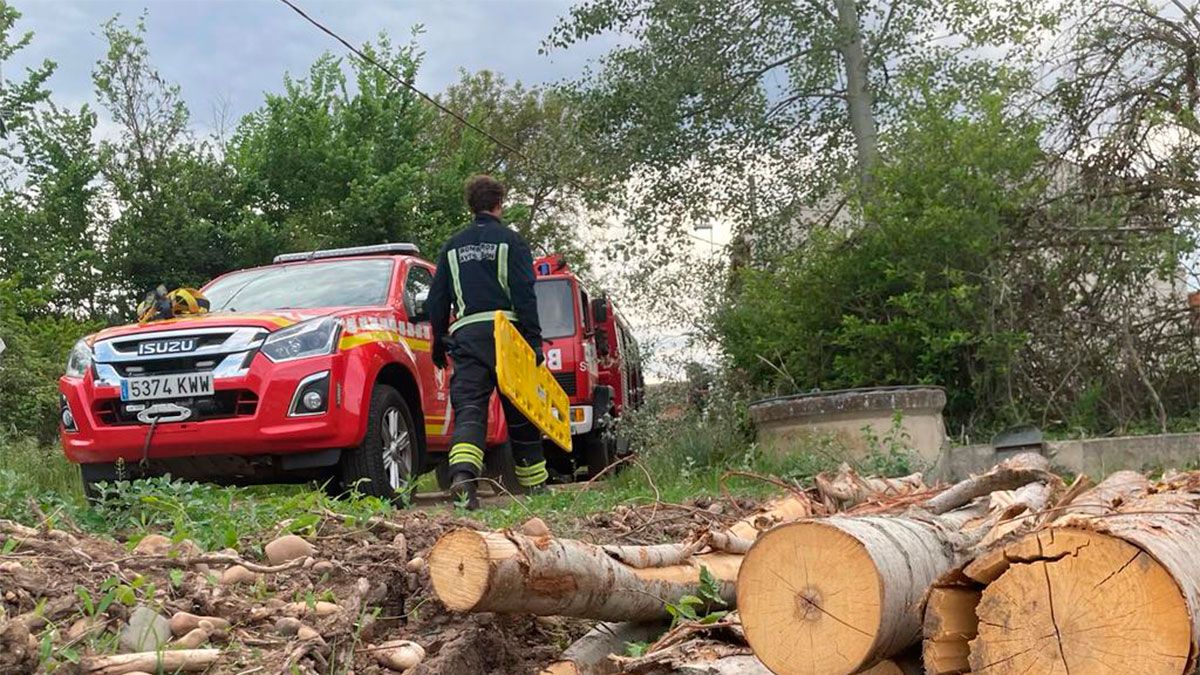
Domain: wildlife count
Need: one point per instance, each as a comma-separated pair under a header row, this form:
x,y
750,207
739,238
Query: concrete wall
x,y
1095,457
795,423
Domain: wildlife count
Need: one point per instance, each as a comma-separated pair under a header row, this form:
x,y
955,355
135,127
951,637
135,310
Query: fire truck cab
x,y
592,354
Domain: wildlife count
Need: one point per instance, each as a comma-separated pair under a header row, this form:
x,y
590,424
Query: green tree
x,y
326,167
910,299
176,200
544,164
58,243
704,97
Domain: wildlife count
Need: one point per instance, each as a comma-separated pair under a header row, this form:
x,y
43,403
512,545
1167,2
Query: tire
x,y
390,456
597,450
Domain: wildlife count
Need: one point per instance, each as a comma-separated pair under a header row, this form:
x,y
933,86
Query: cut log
x,y
846,488
589,654
845,591
512,573
1010,474
1110,586
1120,596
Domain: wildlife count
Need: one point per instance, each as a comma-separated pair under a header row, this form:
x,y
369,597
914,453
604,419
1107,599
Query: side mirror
x,y
600,310
419,312
601,342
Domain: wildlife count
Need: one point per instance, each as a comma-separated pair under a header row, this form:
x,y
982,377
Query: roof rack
x,y
352,251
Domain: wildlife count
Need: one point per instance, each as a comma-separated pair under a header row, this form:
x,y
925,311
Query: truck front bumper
x,y
265,427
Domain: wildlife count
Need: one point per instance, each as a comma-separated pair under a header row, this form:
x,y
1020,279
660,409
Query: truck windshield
x,y
342,283
556,307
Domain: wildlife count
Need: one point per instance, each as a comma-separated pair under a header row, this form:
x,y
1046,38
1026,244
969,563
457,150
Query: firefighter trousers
x,y
473,351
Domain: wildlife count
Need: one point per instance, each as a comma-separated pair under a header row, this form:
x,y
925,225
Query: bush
x,y
33,361
904,298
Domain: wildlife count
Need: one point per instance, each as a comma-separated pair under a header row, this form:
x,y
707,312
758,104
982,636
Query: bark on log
x,y
1008,475
589,654
512,573
838,594
1110,586
729,543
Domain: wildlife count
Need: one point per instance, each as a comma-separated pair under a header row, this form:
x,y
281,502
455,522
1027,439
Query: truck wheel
x,y
390,456
595,449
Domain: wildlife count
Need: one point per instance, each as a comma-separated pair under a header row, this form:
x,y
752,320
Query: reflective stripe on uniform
x,y
452,258
466,453
480,317
534,474
502,269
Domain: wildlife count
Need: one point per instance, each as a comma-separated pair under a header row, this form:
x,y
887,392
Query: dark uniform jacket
x,y
484,268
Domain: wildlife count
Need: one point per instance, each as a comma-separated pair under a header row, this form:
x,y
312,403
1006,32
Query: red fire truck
x,y
315,367
593,355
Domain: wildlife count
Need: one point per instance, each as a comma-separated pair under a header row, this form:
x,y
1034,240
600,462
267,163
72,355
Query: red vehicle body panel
x,y
376,343
620,368
574,358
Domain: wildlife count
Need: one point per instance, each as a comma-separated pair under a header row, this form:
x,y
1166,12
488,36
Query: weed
x,y
707,597
892,453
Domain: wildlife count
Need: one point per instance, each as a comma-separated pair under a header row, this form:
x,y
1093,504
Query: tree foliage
x,y
705,97
906,301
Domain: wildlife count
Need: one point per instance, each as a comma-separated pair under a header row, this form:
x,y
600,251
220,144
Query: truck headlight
x,y
315,337
79,360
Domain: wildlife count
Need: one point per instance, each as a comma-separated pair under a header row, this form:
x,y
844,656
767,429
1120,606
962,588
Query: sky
x,y
227,53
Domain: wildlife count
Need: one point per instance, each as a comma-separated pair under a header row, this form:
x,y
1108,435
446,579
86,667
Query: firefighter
x,y
484,268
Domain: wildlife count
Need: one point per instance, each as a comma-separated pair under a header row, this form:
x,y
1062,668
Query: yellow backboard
x,y
531,388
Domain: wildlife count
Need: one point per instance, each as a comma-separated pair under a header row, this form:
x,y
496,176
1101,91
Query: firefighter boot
x,y
536,490
463,490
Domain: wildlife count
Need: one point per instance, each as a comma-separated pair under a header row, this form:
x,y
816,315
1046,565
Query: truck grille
x,y
225,352
129,346
567,381
182,364
223,404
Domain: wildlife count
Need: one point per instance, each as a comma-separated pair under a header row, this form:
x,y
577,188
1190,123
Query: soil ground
x,y
356,566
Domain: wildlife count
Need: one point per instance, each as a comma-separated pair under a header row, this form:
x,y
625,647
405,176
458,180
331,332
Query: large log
x,y
1111,585
508,572
846,591
836,595
1118,594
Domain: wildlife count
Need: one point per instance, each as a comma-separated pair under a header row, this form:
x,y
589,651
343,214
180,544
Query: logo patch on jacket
x,y
480,251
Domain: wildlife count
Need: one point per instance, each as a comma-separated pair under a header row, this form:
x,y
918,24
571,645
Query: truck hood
x,y
272,321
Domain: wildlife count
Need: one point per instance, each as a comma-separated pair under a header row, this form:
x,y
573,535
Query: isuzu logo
x,y
172,346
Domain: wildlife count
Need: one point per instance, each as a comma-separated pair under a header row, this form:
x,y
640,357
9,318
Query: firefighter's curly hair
x,y
484,193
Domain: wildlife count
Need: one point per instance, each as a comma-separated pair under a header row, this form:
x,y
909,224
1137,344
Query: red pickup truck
x,y
315,367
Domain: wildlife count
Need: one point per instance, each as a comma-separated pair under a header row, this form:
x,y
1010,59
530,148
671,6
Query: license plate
x,y
166,386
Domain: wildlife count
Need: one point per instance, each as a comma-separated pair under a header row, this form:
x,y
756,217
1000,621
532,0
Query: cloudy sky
x,y
228,52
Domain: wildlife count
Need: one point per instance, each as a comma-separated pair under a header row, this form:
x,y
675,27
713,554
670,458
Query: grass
x,y
679,460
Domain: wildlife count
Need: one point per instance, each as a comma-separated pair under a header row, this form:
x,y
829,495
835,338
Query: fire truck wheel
x,y
390,456
597,450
